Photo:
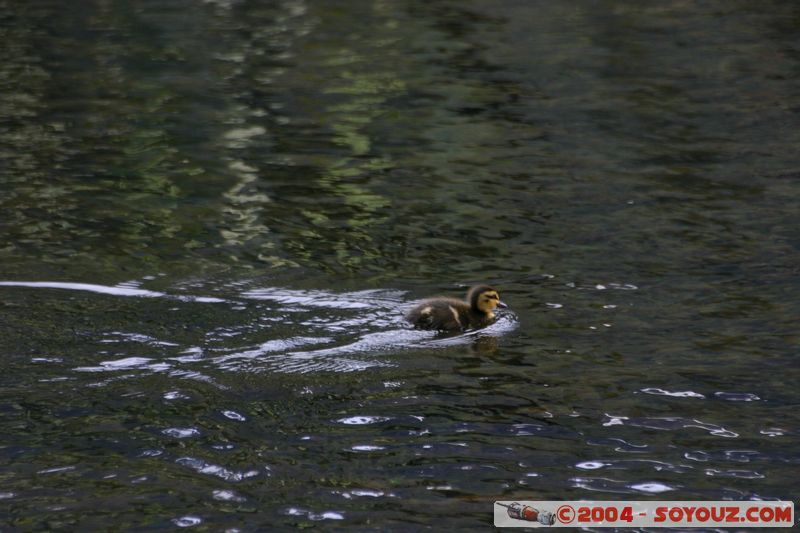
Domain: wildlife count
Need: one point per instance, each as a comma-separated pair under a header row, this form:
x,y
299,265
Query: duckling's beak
x,y
501,305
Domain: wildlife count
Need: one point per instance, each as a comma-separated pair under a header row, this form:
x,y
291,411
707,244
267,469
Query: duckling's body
x,y
449,314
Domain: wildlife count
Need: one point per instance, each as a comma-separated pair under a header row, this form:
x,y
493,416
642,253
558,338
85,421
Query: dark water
x,y
214,212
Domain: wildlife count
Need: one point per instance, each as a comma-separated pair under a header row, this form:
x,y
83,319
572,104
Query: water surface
x,y
214,214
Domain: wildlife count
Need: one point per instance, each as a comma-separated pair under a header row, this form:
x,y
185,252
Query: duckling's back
x,y
445,314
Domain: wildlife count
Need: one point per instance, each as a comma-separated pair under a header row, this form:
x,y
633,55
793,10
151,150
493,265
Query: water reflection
x,y
668,423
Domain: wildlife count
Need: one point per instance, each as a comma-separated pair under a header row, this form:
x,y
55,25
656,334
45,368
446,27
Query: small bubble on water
x,y
653,488
590,465
181,433
187,521
233,415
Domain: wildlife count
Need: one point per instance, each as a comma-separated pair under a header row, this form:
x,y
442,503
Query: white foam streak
x,y
104,289
90,287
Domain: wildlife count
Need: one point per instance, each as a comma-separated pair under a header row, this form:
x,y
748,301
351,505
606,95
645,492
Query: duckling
x,y
449,314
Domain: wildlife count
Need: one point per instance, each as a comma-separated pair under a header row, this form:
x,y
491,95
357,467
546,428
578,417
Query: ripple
x,y
674,394
151,453
652,488
365,492
367,448
596,484
604,286
181,433
202,467
669,423
742,456
600,485
117,337
698,456
628,464
227,496
269,347
623,286
233,415
282,359
506,322
243,134
741,474
362,420
187,521
127,363
361,309
590,465
620,445
551,430
368,299
737,396
325,515
56,470
735,456
175,395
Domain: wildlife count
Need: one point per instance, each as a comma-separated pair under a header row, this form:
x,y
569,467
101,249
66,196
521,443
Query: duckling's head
x,y
484,299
